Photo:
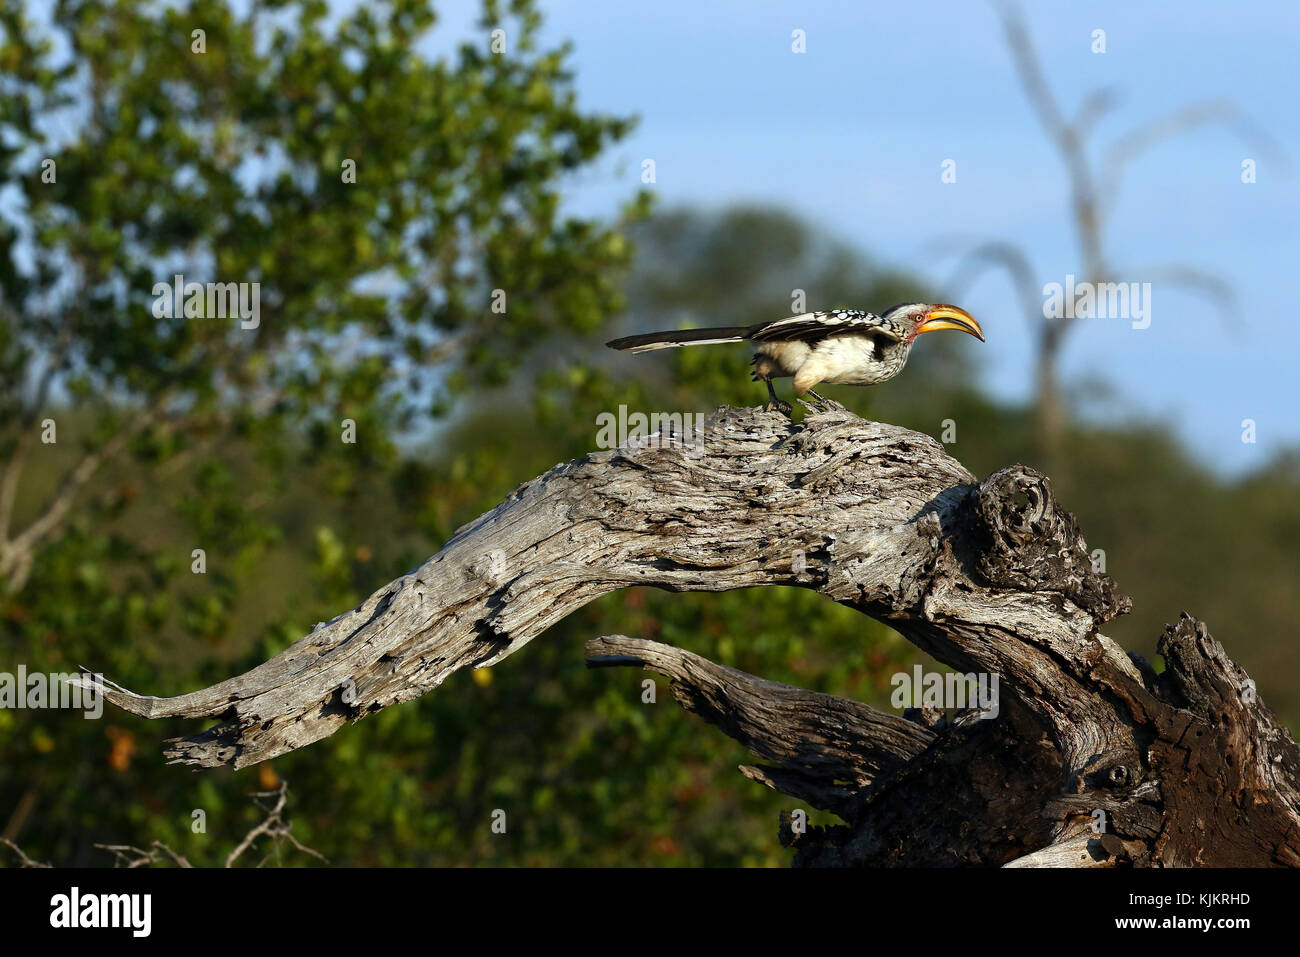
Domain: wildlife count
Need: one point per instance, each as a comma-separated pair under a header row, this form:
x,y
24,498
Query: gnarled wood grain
x,y
989,577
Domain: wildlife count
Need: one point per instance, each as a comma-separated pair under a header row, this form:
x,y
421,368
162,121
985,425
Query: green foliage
x,y
378,199
230,165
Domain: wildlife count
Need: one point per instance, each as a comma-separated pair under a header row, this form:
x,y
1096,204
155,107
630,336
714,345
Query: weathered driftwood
x,y
990,577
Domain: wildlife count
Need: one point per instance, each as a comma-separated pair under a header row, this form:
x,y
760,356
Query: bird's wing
x,y
816,326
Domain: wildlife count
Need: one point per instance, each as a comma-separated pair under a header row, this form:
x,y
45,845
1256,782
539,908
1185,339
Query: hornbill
x,y
839,346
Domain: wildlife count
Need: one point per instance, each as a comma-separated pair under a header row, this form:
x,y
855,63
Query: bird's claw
x,y
820,403
779,405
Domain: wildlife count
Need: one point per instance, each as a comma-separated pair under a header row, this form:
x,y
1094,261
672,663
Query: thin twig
x,y
130,856
274,827
24,860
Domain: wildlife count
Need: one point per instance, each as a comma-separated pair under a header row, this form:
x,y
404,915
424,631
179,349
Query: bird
x,y
835,346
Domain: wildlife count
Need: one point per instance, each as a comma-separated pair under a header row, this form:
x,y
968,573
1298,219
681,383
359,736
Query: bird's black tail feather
x,y
681,337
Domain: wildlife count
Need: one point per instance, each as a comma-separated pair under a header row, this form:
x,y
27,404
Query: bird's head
x,y
917,317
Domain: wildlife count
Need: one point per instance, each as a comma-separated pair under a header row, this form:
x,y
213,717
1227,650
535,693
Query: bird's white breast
x,y
838,360
849,360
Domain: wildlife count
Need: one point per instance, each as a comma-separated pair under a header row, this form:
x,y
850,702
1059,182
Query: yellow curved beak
x,y
950,317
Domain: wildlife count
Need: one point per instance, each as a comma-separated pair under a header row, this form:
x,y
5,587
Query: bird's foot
x,y
774,403
779,405
822,404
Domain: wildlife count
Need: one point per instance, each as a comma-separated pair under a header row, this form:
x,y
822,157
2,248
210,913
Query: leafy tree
x,y
396,222
375,198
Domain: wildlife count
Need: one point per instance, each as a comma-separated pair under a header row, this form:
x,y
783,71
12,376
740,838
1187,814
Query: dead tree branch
x,y
989,577
274,826
131,857
23,859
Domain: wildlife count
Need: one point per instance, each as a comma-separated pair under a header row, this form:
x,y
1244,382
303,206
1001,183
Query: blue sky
x,y
852,134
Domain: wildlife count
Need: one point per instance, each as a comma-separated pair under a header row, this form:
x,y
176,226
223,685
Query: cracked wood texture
x,y
1093,758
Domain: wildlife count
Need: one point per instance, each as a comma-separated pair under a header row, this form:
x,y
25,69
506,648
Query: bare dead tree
x,y
1093,757
1094,184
